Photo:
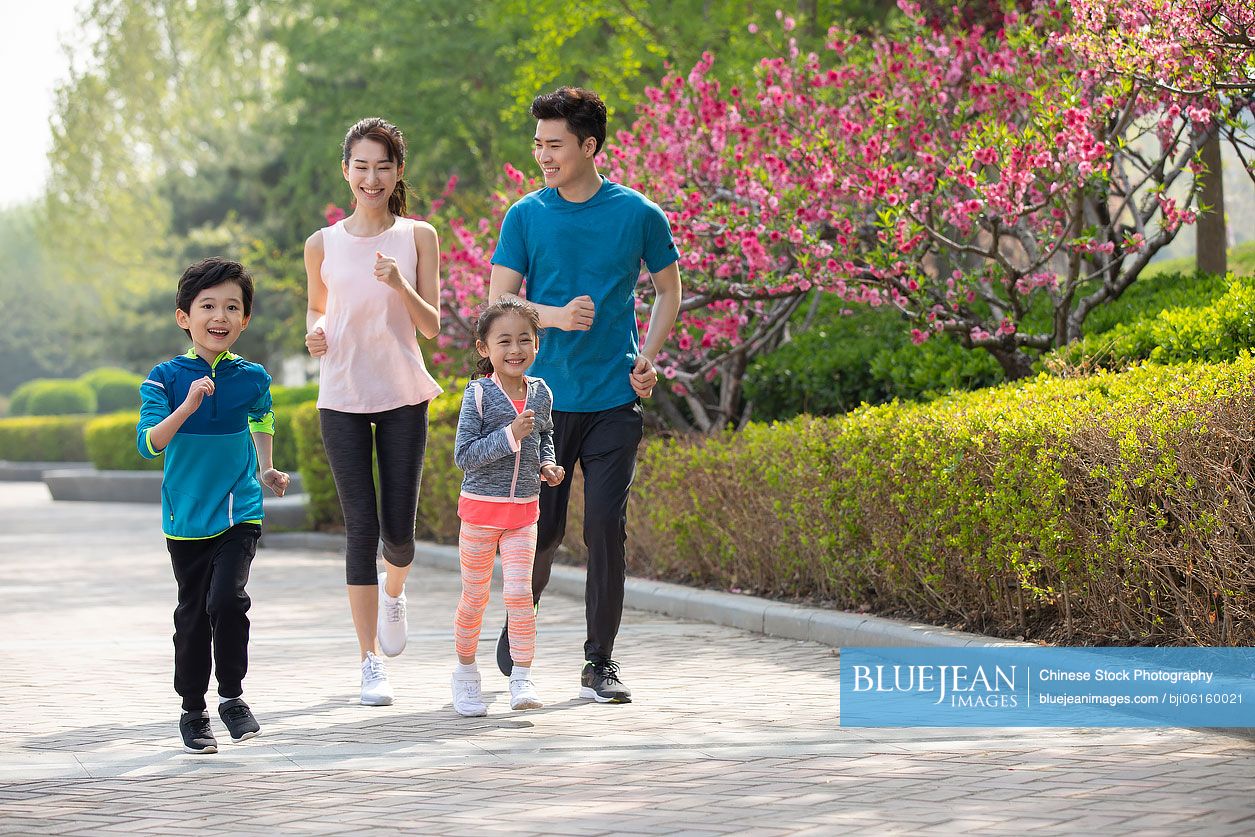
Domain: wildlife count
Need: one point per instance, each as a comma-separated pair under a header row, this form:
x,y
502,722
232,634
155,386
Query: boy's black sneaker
x,y
600,682
197,735
504,661
239,719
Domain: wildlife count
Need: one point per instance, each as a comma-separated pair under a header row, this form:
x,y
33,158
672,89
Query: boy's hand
x,y
277,481
196,393
577,315
386,271
316,342
552,474
644,377
522,426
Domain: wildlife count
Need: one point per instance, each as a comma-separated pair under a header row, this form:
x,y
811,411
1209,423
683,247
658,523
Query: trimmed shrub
x,y
43,439
1110,509
324,505
53,397
292,396
111,444
1216,332
116,389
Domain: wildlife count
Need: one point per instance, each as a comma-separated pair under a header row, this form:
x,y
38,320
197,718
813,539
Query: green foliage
x,y
286,453
1218,330
52,397
116,389
43,439
291,396
110,444
1099,509
324,505
865,356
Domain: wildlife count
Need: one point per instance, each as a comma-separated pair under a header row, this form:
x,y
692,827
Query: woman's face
x,y
371,173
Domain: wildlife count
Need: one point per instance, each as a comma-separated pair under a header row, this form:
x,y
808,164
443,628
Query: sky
x,y
31,63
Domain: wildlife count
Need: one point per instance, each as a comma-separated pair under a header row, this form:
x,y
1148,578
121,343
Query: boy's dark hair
x,y
390,137
209,272
583,110
495,311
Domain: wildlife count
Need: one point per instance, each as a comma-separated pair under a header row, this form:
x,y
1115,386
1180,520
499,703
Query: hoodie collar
x,y
191,353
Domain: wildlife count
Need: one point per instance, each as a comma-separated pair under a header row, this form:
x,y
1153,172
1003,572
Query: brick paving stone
x,y
90,745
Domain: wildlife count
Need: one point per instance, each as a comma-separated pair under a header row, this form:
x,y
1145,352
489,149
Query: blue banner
x,y
1004,686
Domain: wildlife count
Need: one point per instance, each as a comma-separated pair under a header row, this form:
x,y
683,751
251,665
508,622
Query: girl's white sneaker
x,y
523,695
468,700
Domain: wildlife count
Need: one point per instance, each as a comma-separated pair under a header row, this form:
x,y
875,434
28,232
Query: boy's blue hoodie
x,y
210,480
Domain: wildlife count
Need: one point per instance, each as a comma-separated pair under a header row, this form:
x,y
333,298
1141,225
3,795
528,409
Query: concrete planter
x,y
34,471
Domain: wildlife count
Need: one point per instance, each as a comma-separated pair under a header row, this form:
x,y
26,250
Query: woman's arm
x,y
316,308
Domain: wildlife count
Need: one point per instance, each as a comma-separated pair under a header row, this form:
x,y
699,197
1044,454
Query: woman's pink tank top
x,y
372,362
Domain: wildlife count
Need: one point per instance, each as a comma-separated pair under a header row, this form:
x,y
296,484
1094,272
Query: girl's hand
x,y
386,271
316,342
196,393
522,426
552,474
277,481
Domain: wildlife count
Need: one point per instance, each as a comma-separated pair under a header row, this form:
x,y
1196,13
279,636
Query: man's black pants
x,y
212,614
604,443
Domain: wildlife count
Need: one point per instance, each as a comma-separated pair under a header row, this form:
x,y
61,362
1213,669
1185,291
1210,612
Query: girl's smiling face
x,y
215,320
371,172
510,345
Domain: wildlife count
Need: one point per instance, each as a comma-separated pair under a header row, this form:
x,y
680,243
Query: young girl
x,y
373,280
505,445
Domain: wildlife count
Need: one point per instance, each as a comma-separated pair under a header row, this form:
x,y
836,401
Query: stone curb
x,y
834,628
34,471
82,482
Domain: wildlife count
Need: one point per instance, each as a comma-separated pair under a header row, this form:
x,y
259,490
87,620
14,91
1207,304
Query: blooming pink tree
x,y
984,181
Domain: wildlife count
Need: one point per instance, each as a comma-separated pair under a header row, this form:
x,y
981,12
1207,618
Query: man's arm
x,y
667,294
576,315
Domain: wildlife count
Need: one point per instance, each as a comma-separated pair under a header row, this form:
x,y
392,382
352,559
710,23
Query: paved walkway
x,y
731,732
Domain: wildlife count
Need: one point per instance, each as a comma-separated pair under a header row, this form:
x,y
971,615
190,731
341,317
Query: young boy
x,y
200,409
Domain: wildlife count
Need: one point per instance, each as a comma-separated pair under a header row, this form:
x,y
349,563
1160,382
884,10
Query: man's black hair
x,y
583,110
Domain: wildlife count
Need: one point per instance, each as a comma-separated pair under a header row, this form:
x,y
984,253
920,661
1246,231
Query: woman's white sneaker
x,y
376,690
523,694
468,699
392,627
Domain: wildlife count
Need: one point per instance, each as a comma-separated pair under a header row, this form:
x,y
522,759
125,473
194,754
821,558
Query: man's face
x,y
558,152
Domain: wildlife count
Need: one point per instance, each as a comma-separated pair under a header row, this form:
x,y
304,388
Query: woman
x,y
373,280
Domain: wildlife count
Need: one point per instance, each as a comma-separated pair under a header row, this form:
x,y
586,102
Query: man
x,y
579,243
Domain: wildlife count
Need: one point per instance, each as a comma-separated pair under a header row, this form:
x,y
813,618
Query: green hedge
x,y
293,396
1110,509
52,397
111,444
1218,331
43,439
116,389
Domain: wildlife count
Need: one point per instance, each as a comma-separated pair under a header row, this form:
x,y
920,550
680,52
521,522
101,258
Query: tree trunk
x,y
1212,237
1014,362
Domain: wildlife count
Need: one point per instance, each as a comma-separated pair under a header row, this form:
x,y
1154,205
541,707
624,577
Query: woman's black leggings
x,y
400,438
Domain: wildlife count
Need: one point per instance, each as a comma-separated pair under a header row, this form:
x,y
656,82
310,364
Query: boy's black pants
x,y
212,615
604,443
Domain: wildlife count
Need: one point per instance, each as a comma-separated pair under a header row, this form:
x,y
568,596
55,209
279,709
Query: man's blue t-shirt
x,y
565,250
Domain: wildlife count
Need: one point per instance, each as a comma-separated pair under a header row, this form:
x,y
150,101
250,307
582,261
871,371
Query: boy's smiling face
x,y
215,320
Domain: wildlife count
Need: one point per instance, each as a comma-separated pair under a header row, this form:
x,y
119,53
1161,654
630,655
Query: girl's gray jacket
x,y
499,468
